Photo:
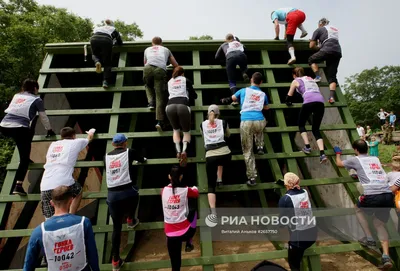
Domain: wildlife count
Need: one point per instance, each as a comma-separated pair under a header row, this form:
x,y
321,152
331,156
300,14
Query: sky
x,y
366,27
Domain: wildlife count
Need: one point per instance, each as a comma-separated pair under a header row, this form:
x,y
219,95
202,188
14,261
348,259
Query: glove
x,y
50,133
91,131
276,38
337,150
287,100
226,100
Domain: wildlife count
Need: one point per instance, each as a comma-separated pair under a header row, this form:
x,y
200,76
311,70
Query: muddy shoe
x,y
386,262
183,160
370,243
189,247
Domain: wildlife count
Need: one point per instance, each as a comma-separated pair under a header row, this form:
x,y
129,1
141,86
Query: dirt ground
x,y
152,247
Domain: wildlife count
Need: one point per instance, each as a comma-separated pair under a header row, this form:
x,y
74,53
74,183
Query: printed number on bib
x,y
64,257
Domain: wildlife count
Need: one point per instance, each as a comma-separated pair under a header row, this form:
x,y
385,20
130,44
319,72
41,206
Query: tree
x,y
128,32
372,89
204,37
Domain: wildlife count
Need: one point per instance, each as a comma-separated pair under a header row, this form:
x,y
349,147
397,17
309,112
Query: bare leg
x,y
314,67
382,234
211,201
363,222
75,204
320,144
220,172
305,139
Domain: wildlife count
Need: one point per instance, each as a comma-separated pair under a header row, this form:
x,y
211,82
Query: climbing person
x,y
156,58
253,101
392,119
66,239
377,199
233,51
313,104
382,115
218,154
368,134
292,18
361,131
179,223
123,194
387,133
303,234
102,41
59,167
181,93
373,147
328,50
16,124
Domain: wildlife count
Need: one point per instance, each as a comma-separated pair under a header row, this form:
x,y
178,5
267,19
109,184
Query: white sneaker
x,y
291,61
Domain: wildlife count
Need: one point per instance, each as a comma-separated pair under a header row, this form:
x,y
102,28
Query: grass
x,y
385,153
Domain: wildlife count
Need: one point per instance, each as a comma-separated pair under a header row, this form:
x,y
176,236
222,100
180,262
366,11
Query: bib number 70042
x,y
68,256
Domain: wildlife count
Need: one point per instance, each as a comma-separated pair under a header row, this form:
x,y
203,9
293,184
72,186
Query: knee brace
x,y
289,41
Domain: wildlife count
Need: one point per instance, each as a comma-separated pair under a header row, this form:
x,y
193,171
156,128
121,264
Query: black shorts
x,y
212,164
332,63
179,116
377,205
383,121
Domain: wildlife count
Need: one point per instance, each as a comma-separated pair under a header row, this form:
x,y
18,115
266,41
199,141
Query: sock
x,y
219,181
291,52
308,146
332,93
213,211
185,143
178,147
317,73
321,152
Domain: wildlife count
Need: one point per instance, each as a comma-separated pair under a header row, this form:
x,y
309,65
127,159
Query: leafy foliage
x,y
7,150
204,37
128,32
372,89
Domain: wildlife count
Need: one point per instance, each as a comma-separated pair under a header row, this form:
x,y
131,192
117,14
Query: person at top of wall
x,y
16,124
392,119
218,155
179,222
123,194
361,131
313,104
178,111
382,115
156,58
253,101
329,50
368,134
292,18
377,199
102,41
233,51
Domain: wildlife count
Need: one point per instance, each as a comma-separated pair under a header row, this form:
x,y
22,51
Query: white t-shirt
x,y
361,131
382,115
60,161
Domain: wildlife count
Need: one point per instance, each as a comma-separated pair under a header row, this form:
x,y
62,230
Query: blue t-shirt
x,y
392,118
35,245
281,13
250,115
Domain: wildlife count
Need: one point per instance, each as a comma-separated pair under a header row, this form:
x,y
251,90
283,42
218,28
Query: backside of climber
x,y
233,51
329,50
102,41
292,18
181,92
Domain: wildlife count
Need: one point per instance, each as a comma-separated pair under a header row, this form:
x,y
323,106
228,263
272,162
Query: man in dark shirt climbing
x,y
102,41
329,50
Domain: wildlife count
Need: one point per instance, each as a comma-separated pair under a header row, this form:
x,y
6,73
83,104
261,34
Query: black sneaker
x,y
151,106
19,190
220,184
189,247
367,243
260,150
386,262
251,182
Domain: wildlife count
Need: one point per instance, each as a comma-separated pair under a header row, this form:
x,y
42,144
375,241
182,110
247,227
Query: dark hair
x,y
175,175
257,78
61,195
229,37
67,132
29,85
178,71
156,41
361,146
299,72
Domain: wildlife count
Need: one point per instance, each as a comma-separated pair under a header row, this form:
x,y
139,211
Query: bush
x,y
6,152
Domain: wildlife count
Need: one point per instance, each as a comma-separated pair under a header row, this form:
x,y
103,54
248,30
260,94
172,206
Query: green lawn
x,y
385,153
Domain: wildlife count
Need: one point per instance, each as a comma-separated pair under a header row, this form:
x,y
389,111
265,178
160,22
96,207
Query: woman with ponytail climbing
x,y
179,223
218,154
181,93
313,104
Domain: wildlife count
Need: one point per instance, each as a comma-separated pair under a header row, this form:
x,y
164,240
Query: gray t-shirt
x,y
157,56
393,178
374,180
328,37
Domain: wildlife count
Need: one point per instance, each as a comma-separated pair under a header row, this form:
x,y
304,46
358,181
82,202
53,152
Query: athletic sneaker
x,y
246,77
303,34
189,247
19,190
323,158
98,67
151,106
116,266
306,150
234,103
251,182
331,100
159,126
386,262
105,84
317,79
370,243
183,160
291,61
132,223
260,151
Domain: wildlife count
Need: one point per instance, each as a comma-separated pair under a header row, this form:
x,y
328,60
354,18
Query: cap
x,y
290,179
119,138
213,108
